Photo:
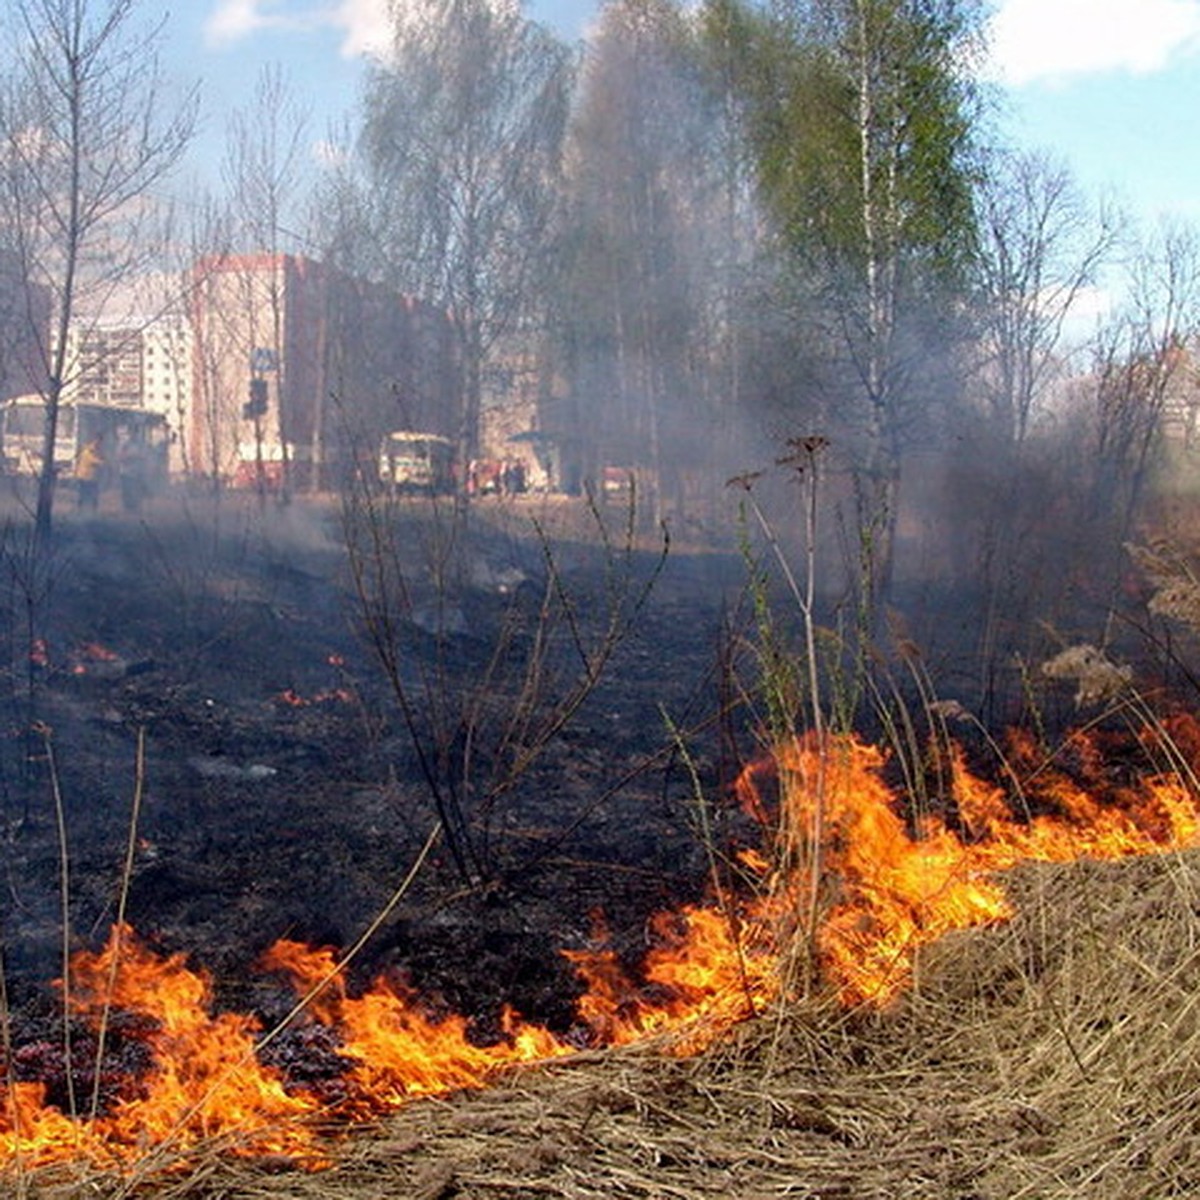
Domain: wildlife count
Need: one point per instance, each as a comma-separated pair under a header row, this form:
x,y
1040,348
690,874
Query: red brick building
x,y
298,363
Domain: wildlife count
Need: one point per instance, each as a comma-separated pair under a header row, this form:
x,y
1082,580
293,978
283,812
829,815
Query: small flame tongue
x,y
881,888
705,973
397,1051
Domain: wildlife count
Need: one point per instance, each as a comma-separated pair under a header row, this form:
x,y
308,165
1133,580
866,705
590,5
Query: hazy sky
x,y
1110,86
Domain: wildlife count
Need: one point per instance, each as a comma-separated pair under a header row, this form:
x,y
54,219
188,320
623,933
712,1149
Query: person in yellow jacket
x,y
89,467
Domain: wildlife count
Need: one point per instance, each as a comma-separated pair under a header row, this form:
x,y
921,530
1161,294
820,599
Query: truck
x,y
263,465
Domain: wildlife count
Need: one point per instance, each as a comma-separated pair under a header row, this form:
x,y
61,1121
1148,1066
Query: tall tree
x,y
462,147
742,270
263,173
862,121
1040,247
1141,361
88,132
643,190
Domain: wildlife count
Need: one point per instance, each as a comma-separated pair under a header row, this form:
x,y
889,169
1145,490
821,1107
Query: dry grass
x,y
1055,1056
1169,572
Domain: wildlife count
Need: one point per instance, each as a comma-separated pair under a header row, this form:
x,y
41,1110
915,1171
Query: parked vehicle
x,y
420,463
115,429
264,466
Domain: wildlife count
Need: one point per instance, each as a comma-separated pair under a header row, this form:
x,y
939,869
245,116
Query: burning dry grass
x,y
1055,1055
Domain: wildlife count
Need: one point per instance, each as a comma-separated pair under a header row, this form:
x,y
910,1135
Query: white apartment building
x,y
103,365
135,364
168,347
339,361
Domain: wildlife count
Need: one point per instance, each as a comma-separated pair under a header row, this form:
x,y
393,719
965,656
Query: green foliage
x,y
865,105
859,115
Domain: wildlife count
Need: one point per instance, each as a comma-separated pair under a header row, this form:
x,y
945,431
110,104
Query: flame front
x,y
842,870
709,969
893,887
398,1052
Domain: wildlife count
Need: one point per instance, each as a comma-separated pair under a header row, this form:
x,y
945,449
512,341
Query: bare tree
x,y
649,224
463,138
88,134
263,174
1140,361
264,166
1041,246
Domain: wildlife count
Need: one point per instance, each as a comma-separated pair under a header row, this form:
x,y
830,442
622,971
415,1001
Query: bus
x,y
417,462
118,430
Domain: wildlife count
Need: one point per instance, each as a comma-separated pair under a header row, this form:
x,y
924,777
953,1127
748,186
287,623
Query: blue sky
x,y
320,45
1112,87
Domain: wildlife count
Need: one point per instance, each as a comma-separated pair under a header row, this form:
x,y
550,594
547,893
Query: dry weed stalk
x,y
119,925
64,882
1176,588
1097,678
794,704
475,741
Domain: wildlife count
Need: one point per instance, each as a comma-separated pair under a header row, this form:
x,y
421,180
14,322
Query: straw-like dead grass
x,y
1055,1056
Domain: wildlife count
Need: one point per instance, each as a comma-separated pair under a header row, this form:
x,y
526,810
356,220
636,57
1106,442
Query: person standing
x,y
89,465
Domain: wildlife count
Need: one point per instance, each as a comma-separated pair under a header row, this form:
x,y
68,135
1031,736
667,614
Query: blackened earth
x,y
203,681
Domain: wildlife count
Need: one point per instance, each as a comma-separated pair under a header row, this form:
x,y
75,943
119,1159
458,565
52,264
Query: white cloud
x,y
1052,40
1090,309
328,154
363,24
367,27
233,20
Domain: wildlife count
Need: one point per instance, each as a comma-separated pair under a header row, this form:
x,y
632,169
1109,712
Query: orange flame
x,y
398,1051
89,655
95,652
896,888
293,699
879,886
708,970
206,1082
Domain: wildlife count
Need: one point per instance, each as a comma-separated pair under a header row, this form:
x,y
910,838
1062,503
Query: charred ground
x,y
281,796
281,793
